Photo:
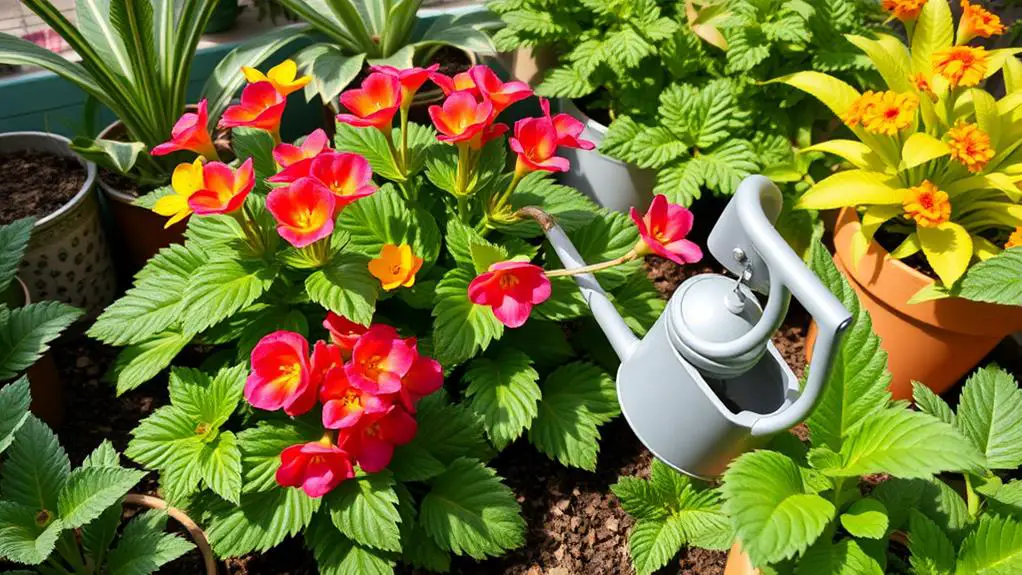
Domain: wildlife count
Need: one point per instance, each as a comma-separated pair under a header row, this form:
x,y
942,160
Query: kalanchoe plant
x,y
302,242
60,520
938,157
867,478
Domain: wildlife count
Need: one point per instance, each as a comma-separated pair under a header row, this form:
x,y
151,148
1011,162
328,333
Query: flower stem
x,y
461,181
464,210
394,154
971,497
246,219
404,138
631,255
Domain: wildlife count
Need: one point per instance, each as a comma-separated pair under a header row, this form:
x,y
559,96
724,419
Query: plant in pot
x,y
876,489
135,60
27,328
350,36
55,519
418,280
669,91
68,258
931,209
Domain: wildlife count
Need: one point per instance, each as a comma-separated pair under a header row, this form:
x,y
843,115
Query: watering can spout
x,y
610,321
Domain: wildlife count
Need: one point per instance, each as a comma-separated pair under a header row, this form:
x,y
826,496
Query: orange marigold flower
x,y
1015,239
904,10
961,65
922,83
927,205
970,146
977,21
889,112
853,116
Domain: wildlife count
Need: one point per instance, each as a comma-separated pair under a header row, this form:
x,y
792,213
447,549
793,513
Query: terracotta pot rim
x,y
916,276
63,148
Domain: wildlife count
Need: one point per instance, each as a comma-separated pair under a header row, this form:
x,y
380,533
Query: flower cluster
x,y
368,380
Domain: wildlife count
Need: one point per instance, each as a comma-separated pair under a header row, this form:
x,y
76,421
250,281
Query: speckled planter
x,y
68,258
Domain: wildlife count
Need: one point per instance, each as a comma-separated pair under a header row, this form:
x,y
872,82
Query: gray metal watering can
x,y
706,384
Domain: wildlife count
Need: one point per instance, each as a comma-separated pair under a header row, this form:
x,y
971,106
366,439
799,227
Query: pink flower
x,y
190,133
281,376
511,289
374,105
567,127
663,230
379,361
304,211
423,378
223,189
373,439
411,79
344,333
501,94
461,82
344,405
535,142
461,118
261,107
295,160
315,467
347,175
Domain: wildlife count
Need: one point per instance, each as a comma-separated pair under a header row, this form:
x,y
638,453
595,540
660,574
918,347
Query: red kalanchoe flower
x,y
379,360
372,441
374,105
663,230
461,82
326,360
423,378
501,94
461,117
348,176
511,289
411,79
281,375
344,333
261,107
304,211
223,189
535,142
294,161
189,133
567,127
344,406
316,467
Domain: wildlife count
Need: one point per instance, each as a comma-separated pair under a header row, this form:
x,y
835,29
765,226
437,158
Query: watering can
x,y
706,384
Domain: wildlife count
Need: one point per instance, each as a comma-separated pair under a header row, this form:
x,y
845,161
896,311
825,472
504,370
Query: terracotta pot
x,y
738,562
138,233
43,378
935,342
68,257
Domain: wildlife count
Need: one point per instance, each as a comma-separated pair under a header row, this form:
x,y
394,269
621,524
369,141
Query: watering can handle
x,y
767,251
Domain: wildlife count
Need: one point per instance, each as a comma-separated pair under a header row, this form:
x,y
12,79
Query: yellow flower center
x,y
352,401
927,205
507,281
887,112
289,375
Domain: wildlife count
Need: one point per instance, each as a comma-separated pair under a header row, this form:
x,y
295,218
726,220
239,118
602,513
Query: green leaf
x,y
260,451
652,544
36,467
26,332
725,166
258,145
608,236
470,512
371,144
502,390
994,548
91,490
905,444
461,328
639,302
98,534
220,465
681,182
702,117
261,521
568,82
484,256
331,70
117,156
220,289
346,287
933,30
569,207
846,557
931,403
990,415
143,547
858,380
1007,499
565,302
931,551
140,362
154,304
446,432
384,218
995,280
14,238
577,399
14,402
22,538
364,509
207,400
640,499
775,517
546,341
338,555
866,517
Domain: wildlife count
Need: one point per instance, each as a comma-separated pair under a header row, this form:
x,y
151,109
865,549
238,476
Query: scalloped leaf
x,y
990,414
502,389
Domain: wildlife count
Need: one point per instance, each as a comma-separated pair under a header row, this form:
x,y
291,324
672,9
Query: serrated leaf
x,y
608,236
640,499
990,415
846,557
577,399
364,509
26,332
98,534
36,467
22,538
546,341
469,511
446,432
91,490
1007,500
996,280
346,287
931,403
502,389
931,552
14,239
143,547
338,555
866,517
371,144
14,402
258,145
138,363
567,205
220,464
261,521
994,548
565,82
905,444
680,183
461,328
652,544
725,166
220,289
384,218
639,302
775,517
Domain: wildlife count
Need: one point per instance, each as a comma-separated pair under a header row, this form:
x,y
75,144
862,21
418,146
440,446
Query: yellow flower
x,y
922,83
396,266
1015,239
282,76
889,112
853,116
961,65
186,180
977,21
904,9
927,205
970,146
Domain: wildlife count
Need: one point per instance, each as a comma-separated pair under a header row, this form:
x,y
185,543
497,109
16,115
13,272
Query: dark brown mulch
x,y
36,183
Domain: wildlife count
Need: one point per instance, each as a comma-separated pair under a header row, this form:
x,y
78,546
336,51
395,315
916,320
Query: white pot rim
x,y
63,149
569,107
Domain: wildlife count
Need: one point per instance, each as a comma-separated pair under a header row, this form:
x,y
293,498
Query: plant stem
x,y
460,182
404,138
631,255
971,497
464,211
68,549
57,566
248,225
394,154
